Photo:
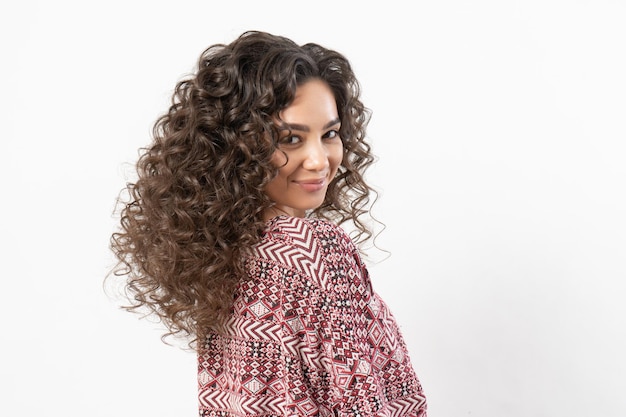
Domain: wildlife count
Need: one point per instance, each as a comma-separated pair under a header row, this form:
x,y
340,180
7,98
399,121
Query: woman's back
x,y
308,335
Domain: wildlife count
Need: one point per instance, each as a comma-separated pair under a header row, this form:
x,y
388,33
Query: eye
x,y
289,140
331,134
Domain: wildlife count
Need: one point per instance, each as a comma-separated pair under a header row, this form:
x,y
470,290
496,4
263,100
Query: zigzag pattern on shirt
x,y
404,406
297,247
254,330
239,405
312,357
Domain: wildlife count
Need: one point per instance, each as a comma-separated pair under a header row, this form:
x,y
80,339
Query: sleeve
x,y
347,355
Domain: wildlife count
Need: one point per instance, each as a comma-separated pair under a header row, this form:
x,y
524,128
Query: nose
x,y
316,158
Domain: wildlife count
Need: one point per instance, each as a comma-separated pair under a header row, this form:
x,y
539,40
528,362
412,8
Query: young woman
x,y
231,236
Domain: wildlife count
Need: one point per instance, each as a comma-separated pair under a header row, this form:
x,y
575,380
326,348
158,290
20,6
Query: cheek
x,y
336,157
279,159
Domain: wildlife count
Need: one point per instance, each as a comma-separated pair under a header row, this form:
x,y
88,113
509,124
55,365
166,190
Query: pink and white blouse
x,y
308,336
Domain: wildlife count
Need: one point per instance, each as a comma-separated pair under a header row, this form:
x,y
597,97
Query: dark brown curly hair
x,y
197,205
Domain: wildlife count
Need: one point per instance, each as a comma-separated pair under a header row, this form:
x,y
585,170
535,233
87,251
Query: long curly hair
x,y
196,207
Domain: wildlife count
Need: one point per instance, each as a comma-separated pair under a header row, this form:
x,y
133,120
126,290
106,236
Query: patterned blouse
x,y
308,336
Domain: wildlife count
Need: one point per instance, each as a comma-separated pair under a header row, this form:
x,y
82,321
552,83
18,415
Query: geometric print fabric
x,y
308,336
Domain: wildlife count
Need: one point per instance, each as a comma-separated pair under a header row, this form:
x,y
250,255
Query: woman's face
x,y
308,157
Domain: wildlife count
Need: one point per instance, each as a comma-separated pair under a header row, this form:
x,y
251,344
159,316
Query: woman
x,y
231,237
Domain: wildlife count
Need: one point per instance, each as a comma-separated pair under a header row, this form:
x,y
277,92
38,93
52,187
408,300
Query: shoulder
x,y
304,232
305,245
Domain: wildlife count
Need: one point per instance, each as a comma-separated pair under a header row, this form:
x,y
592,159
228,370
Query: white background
x,y
500,131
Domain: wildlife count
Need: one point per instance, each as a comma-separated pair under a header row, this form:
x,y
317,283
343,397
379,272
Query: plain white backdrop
x,y
501,137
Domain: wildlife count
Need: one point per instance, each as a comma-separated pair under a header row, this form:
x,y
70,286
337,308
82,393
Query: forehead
x,y
312,87
314,101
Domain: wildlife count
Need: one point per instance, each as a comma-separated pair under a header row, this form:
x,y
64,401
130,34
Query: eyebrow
x,y
305,128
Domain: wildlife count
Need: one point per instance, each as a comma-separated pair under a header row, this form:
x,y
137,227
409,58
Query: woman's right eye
x,y
289,140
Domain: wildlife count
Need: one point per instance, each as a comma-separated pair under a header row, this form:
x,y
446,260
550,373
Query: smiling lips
x,y
312,185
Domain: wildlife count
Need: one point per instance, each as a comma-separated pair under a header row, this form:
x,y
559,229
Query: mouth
x,y
312,185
